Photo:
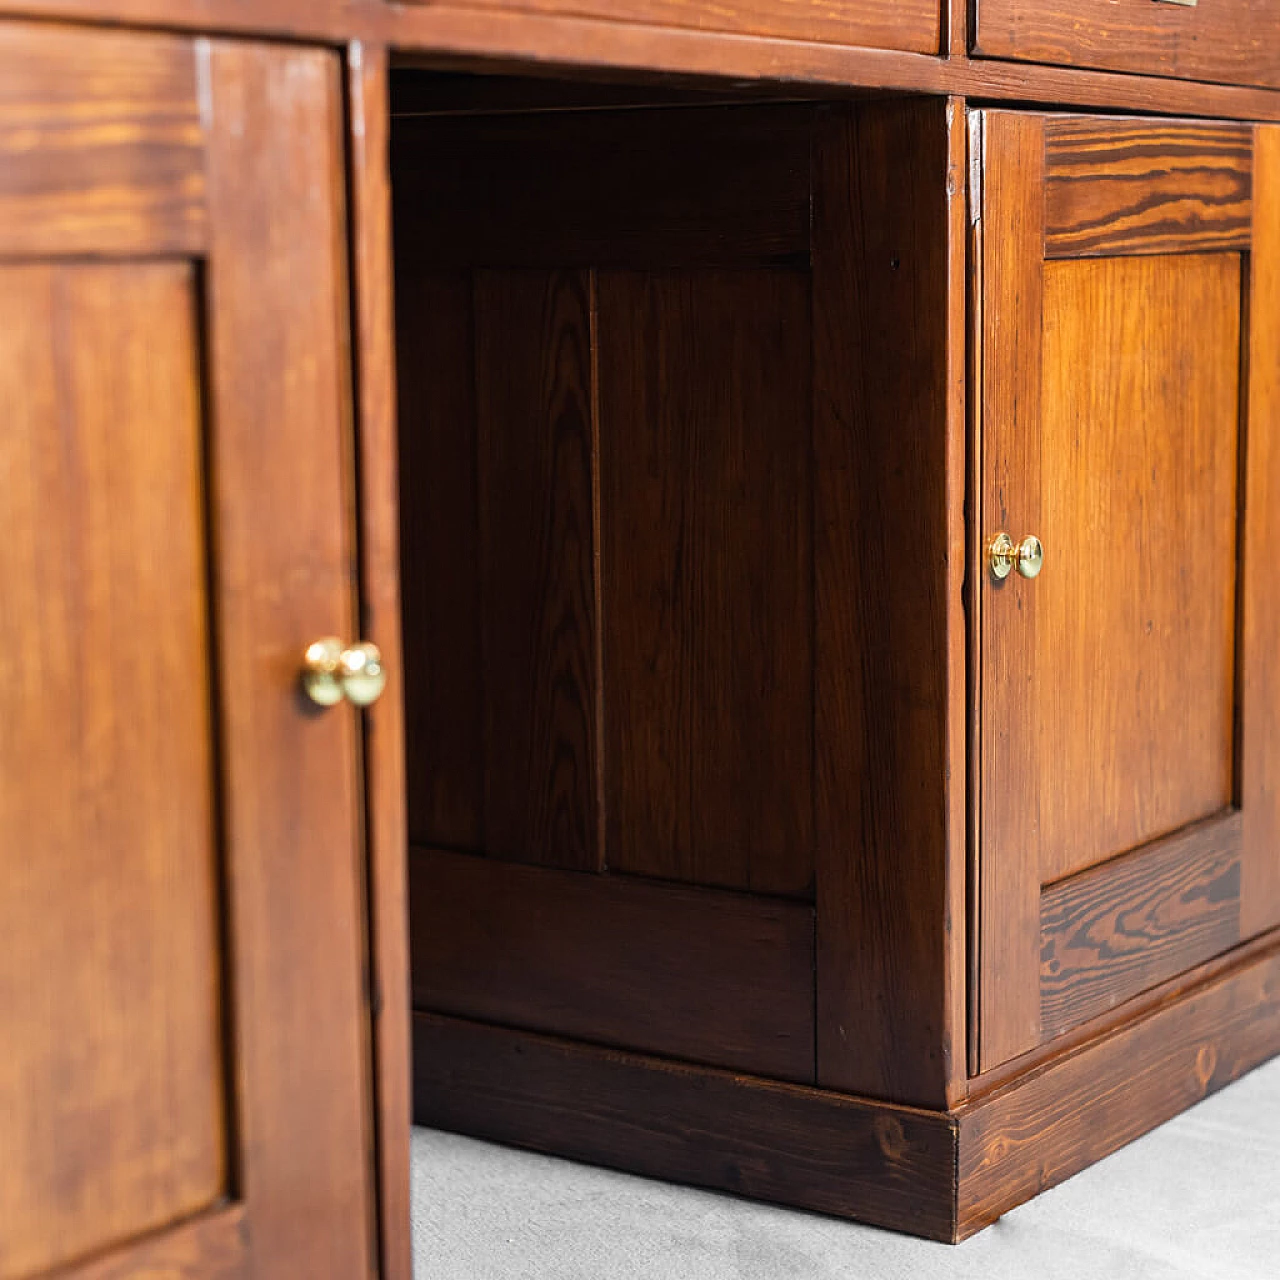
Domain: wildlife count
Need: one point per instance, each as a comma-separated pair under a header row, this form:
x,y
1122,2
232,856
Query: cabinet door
x,y
185,1067
1130,700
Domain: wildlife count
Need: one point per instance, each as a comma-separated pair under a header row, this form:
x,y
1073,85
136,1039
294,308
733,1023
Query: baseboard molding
x,y
936,1174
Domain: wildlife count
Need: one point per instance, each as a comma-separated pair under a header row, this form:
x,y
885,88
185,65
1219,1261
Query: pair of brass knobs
x,y
1006,555
332,672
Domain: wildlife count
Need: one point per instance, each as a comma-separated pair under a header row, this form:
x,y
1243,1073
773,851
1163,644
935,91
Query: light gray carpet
x,y
1198,1199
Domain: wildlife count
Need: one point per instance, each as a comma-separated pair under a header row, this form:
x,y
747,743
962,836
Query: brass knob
x,y
1026,556
331,673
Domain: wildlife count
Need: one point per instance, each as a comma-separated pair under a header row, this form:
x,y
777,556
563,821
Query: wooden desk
x,y
753,827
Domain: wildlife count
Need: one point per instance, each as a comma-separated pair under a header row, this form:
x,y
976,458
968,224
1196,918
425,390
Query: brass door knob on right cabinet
x,y
1005,555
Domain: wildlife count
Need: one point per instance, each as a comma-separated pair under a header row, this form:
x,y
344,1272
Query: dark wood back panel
x,y
605,361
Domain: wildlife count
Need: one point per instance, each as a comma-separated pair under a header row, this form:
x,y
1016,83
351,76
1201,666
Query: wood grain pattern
x,y
211,1247
708,977
453,35
1232,43
706,576
889,24
111,1090
891,1166
606,188
534,415
469,38
1259,776
280,444
887,549
1052,1123
1008,889
101,149
368,94
1115,930
444,689
1137,186
1134,709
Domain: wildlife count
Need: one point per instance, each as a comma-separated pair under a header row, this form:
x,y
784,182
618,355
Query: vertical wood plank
x,y
284,567
1260,647
440,541
368,100
112,1117
534,414
1009,865
887,551
706,574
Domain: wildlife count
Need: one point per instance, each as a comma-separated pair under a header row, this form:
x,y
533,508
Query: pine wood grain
x,y
887,554
904,24
703,976
283,571
1135,186
891,1166
1113,931
444,687
706,576
111,1087
1231,43
101,148
536,459
1259,775
1133,659
1008,862
1051,1123
368,93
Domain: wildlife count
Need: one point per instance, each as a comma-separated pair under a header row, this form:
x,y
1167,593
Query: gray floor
x,y
1199,1199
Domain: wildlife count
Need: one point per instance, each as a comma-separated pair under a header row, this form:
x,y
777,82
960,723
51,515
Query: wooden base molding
x,y
940,1175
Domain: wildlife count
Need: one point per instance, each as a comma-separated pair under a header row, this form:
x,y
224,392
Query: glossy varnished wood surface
x,y
889,852
891,1166
283,567
703,976
213,1246
1121,928
1136,186
1234,43
378,537
706,575
1011,287
100,144
1133,657
111,1084
534,472
1259,777
1108,684
887,24
448,35
1053,1122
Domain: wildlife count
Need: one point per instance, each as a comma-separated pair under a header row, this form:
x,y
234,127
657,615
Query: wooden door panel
x,y
1117,263
185,1083
1135,625
108,891
705,386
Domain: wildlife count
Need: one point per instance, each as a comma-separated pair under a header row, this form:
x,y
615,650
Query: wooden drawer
x,y
1229,41
915,25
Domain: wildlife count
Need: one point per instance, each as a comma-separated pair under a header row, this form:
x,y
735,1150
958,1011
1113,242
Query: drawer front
x,y
1225,41
914,25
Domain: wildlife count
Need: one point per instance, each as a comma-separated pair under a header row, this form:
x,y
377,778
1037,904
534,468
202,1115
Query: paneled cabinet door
x,y
1129,776
184,1062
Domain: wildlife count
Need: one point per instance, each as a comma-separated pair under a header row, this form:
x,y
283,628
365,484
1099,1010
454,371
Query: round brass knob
x,y
1005,556
331,673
